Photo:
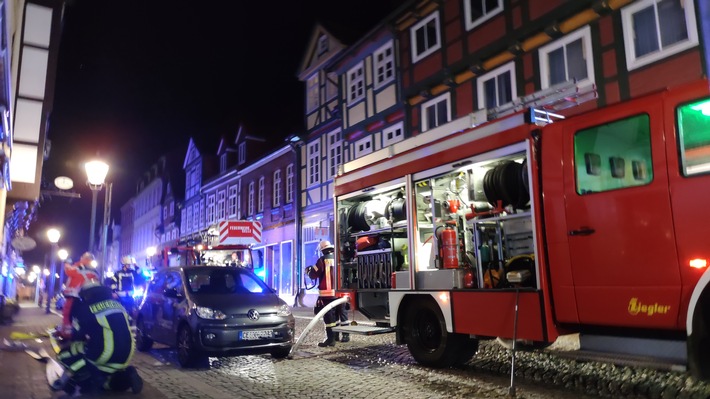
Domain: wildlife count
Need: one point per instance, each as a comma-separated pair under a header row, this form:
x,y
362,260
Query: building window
x,y
356,83
331,85
196,216
497,87
290,181
436,112
223,163
656,29
480,11
183,218
322,44
242,153
221,202
202,212
567,58
393,134
210,209
250,201
260,205
165,212
232,205
188,219
335,152
314,163
363,146
172,208
425,36
276,194
384,65
239,199
312,93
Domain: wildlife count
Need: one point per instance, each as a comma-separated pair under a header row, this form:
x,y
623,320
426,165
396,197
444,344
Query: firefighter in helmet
x,y
101,346
325,273
124,282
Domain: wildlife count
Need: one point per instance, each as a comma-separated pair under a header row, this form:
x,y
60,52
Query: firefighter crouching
x,y
101,346
124,282
324,272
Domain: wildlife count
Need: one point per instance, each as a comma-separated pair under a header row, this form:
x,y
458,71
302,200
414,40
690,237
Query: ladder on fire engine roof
x,y
555,98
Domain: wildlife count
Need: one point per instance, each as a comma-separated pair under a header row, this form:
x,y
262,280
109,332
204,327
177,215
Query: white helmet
x,y
126,260
325,244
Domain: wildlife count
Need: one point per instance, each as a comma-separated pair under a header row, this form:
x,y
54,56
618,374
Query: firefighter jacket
x,y
124,280
78,277
324,272
101,323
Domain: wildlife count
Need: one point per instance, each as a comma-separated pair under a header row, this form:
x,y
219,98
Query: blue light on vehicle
x,y
261,273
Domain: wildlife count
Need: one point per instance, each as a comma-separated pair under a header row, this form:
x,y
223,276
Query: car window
x,y
223,281
157,283
173,280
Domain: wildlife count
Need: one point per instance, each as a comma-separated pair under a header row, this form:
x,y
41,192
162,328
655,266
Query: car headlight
x,y
284,310
209,313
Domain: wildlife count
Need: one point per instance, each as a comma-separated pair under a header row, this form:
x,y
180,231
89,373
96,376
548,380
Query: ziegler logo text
x,y
636,307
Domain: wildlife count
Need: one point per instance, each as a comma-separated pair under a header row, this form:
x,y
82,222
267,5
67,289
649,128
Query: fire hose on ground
x,y
313,322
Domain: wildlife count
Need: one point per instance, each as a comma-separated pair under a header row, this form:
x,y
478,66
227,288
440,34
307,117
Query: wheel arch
x,y
400,301
699,297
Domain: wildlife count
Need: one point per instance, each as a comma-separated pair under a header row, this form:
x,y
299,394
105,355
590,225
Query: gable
x,y
192,154
322,47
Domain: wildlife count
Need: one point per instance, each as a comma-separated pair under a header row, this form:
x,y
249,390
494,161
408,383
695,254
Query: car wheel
x,y
280,353
143,342
187,354
427,339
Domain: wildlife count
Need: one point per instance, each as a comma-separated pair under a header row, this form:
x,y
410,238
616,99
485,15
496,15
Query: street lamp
x,y
53,236
63,255
96,172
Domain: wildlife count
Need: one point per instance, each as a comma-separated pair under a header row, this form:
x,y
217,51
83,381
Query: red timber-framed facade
x,y
459,56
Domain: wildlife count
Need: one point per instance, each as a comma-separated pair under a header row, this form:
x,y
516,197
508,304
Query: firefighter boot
x,y
345,337
330,339
336,336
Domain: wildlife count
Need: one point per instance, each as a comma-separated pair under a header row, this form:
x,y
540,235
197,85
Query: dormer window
x,y
223,163
242,153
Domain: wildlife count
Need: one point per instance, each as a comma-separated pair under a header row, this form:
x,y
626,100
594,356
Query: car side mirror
x,y
172,293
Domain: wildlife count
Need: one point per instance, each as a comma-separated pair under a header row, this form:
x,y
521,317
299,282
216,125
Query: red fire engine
x,y
229,244
593,224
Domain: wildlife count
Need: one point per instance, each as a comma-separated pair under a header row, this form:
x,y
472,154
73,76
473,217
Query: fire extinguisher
x,y
450,244
469,278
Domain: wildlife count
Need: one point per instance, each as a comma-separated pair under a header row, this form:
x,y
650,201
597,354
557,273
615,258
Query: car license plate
x,y
255,334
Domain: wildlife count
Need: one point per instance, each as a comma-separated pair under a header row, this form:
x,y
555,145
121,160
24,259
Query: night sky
x,y
136,79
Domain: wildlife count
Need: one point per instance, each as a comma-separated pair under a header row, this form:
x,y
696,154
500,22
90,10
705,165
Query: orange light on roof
x,y
698,263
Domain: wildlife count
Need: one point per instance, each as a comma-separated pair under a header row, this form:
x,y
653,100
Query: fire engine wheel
x,y
427,339
699,344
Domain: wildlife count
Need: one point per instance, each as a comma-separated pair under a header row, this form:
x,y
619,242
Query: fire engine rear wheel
x,y
699,342
426,336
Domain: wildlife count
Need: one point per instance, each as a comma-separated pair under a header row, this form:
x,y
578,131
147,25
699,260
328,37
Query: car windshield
x,y
225,280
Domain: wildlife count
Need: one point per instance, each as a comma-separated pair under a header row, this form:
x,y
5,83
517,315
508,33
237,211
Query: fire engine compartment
x,y
471,228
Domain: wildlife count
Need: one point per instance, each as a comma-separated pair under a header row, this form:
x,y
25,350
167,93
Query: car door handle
x,y
584,231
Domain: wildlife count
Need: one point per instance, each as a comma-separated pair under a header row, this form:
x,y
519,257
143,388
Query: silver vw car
x,y
213,310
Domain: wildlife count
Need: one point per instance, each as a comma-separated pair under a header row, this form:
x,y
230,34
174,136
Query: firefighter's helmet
x,y
126,260
325,244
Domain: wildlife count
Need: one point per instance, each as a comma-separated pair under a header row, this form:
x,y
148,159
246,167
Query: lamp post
x,y
53,236
63,255
296,143
96,172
